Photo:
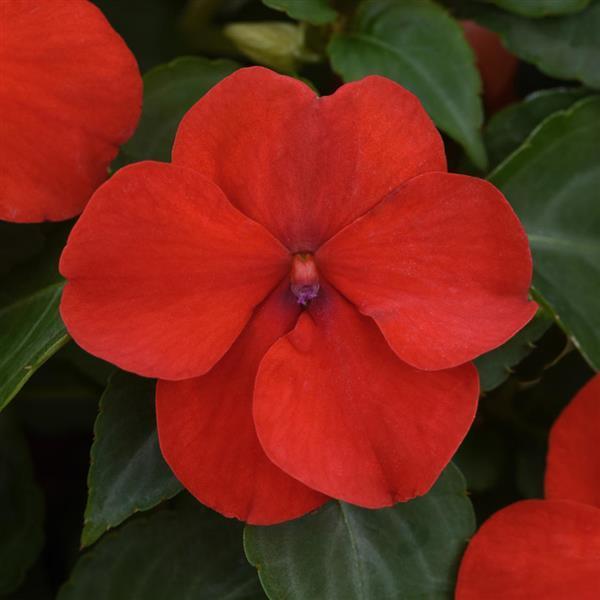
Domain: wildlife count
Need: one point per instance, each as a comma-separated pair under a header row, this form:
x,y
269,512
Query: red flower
x,y
70,94
547,549
497,66
309,285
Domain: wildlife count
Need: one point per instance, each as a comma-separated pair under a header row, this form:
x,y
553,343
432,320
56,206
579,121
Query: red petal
x,y
71,93
207,434
442,265
573,469
302,166
536,549
164,273
335,408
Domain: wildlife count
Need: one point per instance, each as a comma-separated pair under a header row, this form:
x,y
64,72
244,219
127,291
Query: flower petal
x,y
207,434
534,549
442,265
573,469
164,273
335,408
305,166
71,93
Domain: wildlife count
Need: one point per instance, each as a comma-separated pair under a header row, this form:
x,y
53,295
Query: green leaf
x,y
552,183
170,90
540,8
127,471
31,331
21,508
344,552
417,44
565,47
189,553
495,366
509,128
317,12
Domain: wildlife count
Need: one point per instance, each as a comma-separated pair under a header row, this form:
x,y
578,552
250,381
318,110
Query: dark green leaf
x,y
31,331
169,92
565,47
495,366
127,471
317,12
411,550
509,128
552,182
21,508
189,553
417,44
540,8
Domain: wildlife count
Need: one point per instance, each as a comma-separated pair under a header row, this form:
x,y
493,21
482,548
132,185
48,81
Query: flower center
x,y
304,278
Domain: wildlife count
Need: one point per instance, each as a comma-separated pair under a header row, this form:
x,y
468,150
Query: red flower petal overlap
x,y
70,95
163,272
338,410
210,418
301,165
168,263
442,266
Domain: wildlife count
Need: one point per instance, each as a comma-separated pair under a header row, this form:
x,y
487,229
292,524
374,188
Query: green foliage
x,y
317,12
417,44
540,8
187,553
127,471
169,92
21,508
345,552
496,366
566,47
508,129
552,182
31,329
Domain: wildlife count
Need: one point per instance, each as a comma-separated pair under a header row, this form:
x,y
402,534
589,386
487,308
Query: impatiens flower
x,y
70,94
547,549
309,284
497,66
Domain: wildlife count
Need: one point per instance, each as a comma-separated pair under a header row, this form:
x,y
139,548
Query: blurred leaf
x,y
127,471
21,508
565,47
540,8
317,12
276,44
189,553
417,44
170,90
495,366
411,550
509,128
552,182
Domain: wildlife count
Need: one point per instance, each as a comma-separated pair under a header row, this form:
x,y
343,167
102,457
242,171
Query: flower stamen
x,y
304,278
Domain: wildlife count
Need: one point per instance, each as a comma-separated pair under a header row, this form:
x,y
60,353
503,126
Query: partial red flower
x,y
497,66
309,285
547,549
70,94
